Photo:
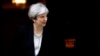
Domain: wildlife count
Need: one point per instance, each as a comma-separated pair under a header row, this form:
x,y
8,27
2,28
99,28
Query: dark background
x,y
98,26
70,17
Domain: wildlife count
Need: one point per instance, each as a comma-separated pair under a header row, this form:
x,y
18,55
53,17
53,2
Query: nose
x,y
46,19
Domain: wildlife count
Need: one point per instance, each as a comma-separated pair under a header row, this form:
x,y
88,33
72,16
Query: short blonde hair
x,y
37,9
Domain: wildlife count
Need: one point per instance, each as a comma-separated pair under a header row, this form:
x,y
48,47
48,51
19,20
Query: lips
x,y
44,22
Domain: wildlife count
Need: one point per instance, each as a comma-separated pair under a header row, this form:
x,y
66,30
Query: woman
x,y
33,39
38,14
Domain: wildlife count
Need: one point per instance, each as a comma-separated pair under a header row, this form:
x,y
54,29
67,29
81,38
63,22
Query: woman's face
x,y
41,20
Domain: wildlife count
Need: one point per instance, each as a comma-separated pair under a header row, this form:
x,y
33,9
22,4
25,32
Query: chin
x,y
44,25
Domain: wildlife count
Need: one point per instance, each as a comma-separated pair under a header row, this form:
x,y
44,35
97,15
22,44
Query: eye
x,y
42,16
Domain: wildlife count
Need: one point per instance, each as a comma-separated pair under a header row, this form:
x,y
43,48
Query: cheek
x,y
40,21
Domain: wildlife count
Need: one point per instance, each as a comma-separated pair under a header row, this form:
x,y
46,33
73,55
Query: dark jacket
x,y
24,46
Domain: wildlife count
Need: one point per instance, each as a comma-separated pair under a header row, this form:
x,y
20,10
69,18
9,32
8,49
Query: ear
x,y
33,20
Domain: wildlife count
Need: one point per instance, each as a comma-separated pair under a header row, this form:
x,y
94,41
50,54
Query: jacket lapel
x,y
43,44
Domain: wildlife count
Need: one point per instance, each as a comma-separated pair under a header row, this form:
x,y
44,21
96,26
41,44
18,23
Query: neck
x,y
37,29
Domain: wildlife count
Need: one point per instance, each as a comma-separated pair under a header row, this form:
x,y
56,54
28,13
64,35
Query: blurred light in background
x,y
70,43
16,4
19,1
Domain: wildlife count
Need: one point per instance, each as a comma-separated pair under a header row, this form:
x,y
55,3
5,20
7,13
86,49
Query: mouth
x,y
43,22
